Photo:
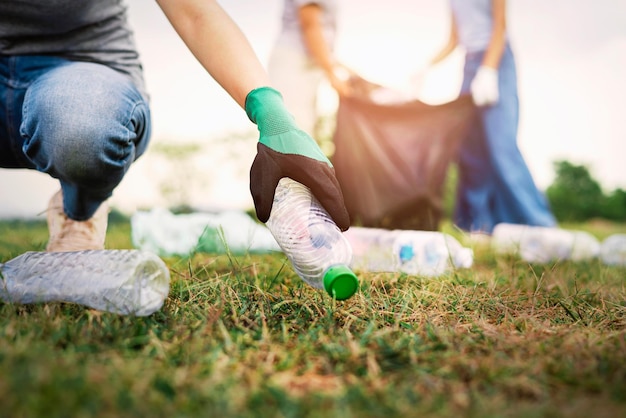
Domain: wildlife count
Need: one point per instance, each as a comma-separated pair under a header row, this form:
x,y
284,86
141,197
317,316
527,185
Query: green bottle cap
x,y
340,282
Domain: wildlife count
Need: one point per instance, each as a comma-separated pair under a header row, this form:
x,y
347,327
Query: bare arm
x,y
310,16
218,44
453,40
498,35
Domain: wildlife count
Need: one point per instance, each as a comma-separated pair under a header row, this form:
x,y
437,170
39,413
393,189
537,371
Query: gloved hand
x,y
286,151
484,86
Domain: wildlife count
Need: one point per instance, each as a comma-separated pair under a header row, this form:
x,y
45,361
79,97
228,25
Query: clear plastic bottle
x,y
537,244
318,251
127,282
166,234
427,253
613,250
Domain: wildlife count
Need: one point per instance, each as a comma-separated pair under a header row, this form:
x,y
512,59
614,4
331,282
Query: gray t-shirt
x,y
474,23
290,35
82,30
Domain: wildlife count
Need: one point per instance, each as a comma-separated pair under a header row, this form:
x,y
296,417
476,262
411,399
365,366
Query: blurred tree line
x,y
576,196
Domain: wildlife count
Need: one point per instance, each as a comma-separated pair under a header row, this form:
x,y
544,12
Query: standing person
x,y
73,105
303,56
495,184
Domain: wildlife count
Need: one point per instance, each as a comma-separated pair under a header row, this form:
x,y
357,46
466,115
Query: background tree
x,y
614,206
575,196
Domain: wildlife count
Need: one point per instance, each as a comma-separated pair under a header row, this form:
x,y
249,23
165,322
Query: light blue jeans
x,y
82,123
495,184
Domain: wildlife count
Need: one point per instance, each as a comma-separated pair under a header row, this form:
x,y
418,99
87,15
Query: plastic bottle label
x,y
406,253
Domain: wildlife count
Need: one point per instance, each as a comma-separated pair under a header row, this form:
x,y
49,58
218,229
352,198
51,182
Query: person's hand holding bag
x,y
484,86
286,151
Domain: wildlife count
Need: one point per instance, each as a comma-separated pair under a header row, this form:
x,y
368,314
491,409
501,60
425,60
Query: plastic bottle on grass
x,y
316,248
613,250
167,234
127,282
537,244
428,253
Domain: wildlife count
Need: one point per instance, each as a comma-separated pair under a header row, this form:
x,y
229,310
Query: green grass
x,y
242,336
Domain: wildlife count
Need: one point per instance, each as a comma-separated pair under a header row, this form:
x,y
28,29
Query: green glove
x,y
286,151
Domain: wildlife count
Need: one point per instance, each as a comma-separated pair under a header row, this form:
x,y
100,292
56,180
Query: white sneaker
x,y
69,235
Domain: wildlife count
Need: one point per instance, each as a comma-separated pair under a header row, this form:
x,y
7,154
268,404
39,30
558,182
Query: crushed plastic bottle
x,y
168,234
126,282
316,248
536,244
613,250
427,253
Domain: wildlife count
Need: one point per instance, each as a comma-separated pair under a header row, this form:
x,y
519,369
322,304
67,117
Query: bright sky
x,y
571,57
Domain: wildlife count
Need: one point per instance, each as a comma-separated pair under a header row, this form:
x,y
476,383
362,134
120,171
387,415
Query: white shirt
x,y
291,35
474,23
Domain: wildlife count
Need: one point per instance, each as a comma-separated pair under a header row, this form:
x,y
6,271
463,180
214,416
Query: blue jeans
x,y
82,123
495,185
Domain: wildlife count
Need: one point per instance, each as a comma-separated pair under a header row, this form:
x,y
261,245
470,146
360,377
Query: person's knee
x,y
79,146
85,133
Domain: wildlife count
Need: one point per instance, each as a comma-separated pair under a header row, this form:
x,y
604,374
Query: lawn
x,y
243,336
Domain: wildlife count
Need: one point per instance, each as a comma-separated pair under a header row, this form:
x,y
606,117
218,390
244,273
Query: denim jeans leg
x,y
474,194
84,124
475,188
501,189
516,196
